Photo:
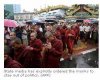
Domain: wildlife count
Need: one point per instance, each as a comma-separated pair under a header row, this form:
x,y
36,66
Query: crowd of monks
x,y
40,49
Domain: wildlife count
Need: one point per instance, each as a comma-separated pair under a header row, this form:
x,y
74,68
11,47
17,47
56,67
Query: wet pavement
x,y
88,60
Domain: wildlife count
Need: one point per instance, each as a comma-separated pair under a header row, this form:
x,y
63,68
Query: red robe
x,y
39,35
58,34
53,55
70,40
76,30
30,58
19,53
36,52
62,31
9,63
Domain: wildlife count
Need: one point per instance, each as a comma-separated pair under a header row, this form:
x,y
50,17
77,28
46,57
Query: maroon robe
x,y
58,34
39,35
70,40
62,31
18,56
30,58
76,30
9,63
36,52
53,55
23,56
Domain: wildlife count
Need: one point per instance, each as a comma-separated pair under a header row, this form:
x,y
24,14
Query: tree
x,y
6,13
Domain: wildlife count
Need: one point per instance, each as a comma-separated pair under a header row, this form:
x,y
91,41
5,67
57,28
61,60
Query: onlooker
x,y
24,37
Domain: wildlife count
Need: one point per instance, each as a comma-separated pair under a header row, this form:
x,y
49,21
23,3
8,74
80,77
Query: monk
x,y
76,30
28,56
62,31
57,33
8,61
12,38
36,47
39,33
19,51
70,37
53,50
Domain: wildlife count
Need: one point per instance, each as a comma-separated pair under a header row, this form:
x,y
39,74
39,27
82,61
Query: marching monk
x,y
70,37
12,38
75,28
62,31
57,33
36,48
18,50
52,51
30,56
8,61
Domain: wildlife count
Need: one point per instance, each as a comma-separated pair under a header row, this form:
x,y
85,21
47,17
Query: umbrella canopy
x,y
51,21
87,21
38,20
94,21
10,23
22,23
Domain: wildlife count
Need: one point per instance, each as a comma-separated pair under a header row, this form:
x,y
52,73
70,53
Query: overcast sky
x,y
29,5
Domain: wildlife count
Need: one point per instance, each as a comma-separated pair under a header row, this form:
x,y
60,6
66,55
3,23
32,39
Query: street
x,y
88,60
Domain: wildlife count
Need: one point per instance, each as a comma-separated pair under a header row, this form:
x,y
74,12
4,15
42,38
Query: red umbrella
x,y
10,23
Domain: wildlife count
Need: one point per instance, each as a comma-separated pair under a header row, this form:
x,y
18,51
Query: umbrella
x,y
51,21
37,20
94,21
22,23
79,20
10,23
87,21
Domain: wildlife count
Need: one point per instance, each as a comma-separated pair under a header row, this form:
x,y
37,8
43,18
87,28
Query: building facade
x,y
23,16
83,11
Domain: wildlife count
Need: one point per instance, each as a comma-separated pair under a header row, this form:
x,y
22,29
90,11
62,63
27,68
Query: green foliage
x,y
6,13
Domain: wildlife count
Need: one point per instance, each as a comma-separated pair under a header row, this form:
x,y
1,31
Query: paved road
x,y
88,60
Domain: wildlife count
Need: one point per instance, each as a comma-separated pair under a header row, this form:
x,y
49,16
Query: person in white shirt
x,y
87,29
81,31
24,37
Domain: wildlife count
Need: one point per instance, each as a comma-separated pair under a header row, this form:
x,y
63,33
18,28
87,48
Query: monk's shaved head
x,y
48,34
12,35
33,35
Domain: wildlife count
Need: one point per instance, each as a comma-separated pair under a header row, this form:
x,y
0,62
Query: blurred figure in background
x,y
24,36
81,27
18,32
87,29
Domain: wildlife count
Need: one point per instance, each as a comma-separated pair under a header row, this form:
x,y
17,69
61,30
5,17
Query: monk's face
x,y
12,35
16,46
36,28
50,38
32,36
49,28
